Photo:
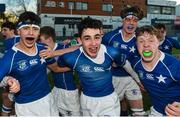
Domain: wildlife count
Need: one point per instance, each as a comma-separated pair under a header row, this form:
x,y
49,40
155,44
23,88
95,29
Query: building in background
x,y
177,21
66,14
162,11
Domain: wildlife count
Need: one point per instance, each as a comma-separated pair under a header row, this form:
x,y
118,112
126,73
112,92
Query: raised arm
x,y
49,53
133,74
55,68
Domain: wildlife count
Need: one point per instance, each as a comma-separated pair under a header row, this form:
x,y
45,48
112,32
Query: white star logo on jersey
x,y
161,79
132,49
42,60
166,47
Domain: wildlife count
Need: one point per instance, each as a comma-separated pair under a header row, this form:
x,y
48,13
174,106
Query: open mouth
x,y
93,50
30,38
4,36
130,27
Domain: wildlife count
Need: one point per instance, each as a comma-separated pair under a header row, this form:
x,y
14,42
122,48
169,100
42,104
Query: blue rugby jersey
x,y
162,82
29,70
128,48
64,80
8,43
168,44
94,74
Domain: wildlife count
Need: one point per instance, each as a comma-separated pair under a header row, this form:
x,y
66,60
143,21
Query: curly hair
x,y
134,10
89,23
29,17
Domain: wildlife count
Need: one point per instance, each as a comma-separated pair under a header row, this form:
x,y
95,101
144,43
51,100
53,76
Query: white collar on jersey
x,y
120,31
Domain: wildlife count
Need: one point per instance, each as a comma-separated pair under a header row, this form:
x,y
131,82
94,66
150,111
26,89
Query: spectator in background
x,y
8,30
65,91
166,43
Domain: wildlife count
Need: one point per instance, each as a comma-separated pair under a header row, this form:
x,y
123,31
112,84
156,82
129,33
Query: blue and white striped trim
x,y
6,109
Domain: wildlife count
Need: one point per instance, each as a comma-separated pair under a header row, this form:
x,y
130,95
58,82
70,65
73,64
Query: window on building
x,y
81,6
107,7
154,9
70,5
168,10
50,4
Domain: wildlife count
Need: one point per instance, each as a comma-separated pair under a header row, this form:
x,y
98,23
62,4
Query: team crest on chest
x,y
115,44
140,74
22,65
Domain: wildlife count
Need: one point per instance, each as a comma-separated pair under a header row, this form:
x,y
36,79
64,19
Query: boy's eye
x,y
86,38
97,37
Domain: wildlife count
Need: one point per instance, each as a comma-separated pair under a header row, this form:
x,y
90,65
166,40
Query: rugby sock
x,y
138,112
6,109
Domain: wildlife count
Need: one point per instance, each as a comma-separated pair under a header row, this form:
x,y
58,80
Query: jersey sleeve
x,y
6,64
40,47
50,61
176,43
118,57
175,68
105,39
68,59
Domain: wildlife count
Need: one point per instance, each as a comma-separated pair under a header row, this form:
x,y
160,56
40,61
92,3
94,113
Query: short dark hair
x,y
160,26
9,25
48,31
134,10
149,29
89,23
29,17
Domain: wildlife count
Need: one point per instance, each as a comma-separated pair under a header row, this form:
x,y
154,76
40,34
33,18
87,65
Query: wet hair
x,y
29,17
9,25
149,29
48,31
89,23
160,26
134,10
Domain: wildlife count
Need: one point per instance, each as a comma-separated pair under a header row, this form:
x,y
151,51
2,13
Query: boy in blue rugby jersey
x,y
65,91
124,38
25,64
159,73
166,43
93,61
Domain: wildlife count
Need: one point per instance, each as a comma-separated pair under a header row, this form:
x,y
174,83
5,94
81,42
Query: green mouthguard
x,y
147,54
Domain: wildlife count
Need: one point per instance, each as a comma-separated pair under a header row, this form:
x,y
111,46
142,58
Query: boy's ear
x,y
18,32
79,40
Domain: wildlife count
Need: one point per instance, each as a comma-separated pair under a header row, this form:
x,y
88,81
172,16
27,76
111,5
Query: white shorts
x,y
100,106
42,107
126,86
67,101
154,113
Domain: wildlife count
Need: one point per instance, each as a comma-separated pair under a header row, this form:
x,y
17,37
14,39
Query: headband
x,y
27,23
131,14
